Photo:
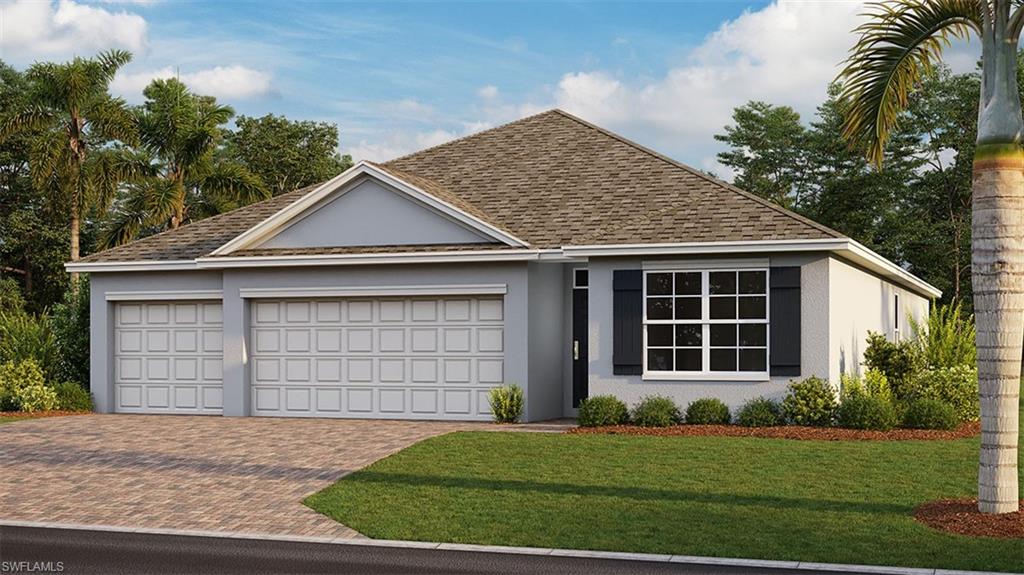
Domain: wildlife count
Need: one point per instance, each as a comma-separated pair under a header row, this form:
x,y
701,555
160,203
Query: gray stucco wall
x,y
547,339
371,214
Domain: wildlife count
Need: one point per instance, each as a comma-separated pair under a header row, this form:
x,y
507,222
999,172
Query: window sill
x,y
711,376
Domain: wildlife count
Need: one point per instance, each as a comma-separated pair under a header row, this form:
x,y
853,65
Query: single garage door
x,y
402,358
168,357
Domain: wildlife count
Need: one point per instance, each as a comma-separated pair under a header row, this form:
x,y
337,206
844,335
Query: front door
x,y
579,337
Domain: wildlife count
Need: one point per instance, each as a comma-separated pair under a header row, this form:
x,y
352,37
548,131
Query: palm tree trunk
x,y
998,277
76,227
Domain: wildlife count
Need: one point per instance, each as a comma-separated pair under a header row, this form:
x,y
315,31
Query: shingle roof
x,y
551,180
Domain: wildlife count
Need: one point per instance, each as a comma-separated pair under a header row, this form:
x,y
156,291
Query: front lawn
x,y
838,502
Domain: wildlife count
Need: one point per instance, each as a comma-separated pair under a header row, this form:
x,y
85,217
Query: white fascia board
x,y
366,259
136,266
375,291
164,295
286,215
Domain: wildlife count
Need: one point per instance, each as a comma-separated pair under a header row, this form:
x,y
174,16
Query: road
x,y
113,553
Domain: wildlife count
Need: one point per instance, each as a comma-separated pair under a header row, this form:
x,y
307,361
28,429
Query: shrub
x,y
22,387
72,397
602,410
927,413
898,361
11,300
956,386
656,411
708,411
810,402
760,412
861,411
507,403
946,338
873,384
71,332
24,336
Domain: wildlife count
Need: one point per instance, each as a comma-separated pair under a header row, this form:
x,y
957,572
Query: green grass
x,y
839,502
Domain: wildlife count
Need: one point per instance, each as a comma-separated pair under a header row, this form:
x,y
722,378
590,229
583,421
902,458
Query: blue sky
x,y
399,77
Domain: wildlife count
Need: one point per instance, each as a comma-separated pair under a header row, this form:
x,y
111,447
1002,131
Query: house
x,y
548,253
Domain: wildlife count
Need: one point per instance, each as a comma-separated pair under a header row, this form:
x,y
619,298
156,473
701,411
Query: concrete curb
x,y
578,553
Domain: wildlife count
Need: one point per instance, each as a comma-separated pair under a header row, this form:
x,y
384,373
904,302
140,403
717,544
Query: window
x,y
710,322
580,278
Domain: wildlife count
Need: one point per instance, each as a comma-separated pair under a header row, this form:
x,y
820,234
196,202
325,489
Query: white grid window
x,y
710,322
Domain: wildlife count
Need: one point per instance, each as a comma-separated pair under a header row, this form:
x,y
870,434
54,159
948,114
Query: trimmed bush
x,y
898,361
810,402
24,336
708,411
873,384
72,397
506,403
602,410
860,411
22,387
927,413
656,411
760,412
956,386
70,326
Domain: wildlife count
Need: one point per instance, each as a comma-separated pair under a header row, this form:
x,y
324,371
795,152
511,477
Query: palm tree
x,y
182,178
901,40
75,120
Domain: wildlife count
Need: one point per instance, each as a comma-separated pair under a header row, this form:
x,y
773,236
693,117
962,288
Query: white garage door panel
x,y
403,358
168,357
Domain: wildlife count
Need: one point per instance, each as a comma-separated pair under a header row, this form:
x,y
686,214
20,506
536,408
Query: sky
x,y
399,77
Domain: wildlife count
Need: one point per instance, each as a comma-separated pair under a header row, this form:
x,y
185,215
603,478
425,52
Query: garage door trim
x,y
374,291
164,295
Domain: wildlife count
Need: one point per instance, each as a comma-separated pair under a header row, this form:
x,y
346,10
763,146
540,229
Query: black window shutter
x,y
627,328
785,320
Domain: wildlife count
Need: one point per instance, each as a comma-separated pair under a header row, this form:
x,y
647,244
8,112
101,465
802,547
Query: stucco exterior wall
x,y
547,337
860,302
814,350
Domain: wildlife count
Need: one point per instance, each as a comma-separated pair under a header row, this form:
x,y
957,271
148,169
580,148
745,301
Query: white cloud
x,y
224,82
31,30
488,92
396,143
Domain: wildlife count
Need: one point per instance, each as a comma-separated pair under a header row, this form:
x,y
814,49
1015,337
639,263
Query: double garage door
x,y
409,358
403,358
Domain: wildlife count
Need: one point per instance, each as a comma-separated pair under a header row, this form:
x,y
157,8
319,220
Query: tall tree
x,y
900,40
764,151
180,176
71,108
286,154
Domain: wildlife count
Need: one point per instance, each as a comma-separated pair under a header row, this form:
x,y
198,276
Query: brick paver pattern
x,y
243,474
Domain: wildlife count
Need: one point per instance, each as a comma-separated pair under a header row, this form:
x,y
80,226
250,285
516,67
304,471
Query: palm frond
x,y
112,60
34,118
235,182
127,218
901,40
112,119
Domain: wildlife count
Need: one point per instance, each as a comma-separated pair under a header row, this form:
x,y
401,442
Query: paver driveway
x,y
245,474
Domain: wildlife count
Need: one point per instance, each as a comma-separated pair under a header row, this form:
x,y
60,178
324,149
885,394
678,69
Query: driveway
x,y
246,474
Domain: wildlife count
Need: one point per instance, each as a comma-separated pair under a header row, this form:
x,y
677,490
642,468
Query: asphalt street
x,y
41,550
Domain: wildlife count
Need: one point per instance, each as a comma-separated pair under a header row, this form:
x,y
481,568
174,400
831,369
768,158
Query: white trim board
x,y
278,221
164,295
374,291
366,259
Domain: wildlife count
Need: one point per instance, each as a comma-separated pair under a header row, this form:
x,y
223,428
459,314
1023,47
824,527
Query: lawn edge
x,y
571,553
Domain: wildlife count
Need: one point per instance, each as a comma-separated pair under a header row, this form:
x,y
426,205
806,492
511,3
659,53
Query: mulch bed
x,y
961,516
786,432
37,414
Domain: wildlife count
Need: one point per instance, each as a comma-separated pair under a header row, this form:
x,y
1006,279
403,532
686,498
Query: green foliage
x,y
72,397
760,412
70,323
766,146
708,411
286,154
946,339
873,384
23,388
602,410
506,403
25,337
862,411
897,361
656,411
928,413
954,386
811,401
11,300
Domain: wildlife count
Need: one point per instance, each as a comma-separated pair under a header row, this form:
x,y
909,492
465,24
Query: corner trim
x,y
164,295
373,291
